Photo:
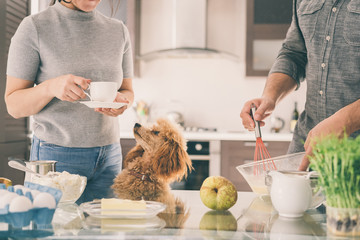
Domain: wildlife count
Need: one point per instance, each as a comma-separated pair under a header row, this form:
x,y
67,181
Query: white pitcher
x,y
291,194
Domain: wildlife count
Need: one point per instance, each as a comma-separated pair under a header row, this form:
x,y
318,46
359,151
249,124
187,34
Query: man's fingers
x,y
304,163
247,119
260,112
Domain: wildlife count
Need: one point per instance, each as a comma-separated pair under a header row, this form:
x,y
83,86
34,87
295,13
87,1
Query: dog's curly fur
x,y
158,159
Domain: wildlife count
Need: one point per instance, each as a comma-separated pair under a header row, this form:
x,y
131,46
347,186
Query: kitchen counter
x,y
252,217
240,136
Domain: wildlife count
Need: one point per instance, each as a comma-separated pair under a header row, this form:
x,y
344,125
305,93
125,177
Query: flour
x,y
71,185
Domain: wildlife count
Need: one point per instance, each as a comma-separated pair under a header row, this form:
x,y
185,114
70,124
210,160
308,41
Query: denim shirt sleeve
x,y
292,57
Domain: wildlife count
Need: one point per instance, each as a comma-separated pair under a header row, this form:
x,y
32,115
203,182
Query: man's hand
x,y
335,124
264,108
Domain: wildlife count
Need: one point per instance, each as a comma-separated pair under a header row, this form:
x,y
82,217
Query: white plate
x,y
97,104
93,208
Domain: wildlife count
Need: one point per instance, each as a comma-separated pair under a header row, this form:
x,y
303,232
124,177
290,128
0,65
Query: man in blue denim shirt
x,y
323,46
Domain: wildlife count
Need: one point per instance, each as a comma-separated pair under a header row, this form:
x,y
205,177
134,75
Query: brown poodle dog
x,y
158,159
176,212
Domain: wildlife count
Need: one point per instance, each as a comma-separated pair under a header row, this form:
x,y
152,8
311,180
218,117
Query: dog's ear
x,y
171,161
135,152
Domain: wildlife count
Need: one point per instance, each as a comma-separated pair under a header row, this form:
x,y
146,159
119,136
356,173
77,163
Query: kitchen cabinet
x,y
132,22
235,153
13,132
18,150
267,24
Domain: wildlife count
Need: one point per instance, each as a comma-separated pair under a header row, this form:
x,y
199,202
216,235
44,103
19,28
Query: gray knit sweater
x,y
61,41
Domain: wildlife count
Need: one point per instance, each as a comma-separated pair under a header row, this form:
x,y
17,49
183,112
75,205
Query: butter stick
x,y
110,224
122,205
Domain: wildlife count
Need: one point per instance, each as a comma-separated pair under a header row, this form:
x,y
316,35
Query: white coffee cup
x,y
102,91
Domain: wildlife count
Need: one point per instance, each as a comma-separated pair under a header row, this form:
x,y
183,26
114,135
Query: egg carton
x,y
19,216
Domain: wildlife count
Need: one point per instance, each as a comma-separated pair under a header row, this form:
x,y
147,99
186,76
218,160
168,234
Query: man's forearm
x,y
351,116
278,85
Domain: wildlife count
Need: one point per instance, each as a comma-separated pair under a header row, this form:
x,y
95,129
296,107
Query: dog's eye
x,y
156,132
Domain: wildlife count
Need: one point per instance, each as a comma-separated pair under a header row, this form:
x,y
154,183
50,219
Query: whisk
x,y
261,157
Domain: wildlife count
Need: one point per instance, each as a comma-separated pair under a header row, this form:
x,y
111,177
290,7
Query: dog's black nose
x,y
137,125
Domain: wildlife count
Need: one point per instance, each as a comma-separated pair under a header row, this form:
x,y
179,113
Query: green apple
x,y
222,222
218,193
218,220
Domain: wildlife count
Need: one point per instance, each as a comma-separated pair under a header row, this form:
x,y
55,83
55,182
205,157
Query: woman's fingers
x,y
69,87
71,96
82,82
113,112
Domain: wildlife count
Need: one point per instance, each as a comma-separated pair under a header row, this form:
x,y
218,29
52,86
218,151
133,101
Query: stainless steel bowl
x,y
42,166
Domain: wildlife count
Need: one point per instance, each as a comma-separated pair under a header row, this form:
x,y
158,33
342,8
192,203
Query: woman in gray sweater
x,y
53,57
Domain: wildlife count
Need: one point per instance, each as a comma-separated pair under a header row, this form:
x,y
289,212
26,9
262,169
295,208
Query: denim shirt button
x,y
327,38
323,65
321,92
334,9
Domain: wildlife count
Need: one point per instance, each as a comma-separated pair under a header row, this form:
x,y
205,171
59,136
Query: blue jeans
x,y
99,164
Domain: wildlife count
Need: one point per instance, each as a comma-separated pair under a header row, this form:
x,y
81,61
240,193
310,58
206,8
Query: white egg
x,y
16,187
3,192
20,204
6,199
35,192
25,189
44,200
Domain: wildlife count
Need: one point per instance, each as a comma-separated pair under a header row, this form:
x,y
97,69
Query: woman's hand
x,y
23,99
113,112
264,108
68,87
124,95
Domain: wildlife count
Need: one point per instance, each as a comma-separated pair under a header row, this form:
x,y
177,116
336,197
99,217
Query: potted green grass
x,y
337,160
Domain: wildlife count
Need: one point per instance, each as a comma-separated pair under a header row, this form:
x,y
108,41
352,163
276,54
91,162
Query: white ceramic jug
x,y
291,194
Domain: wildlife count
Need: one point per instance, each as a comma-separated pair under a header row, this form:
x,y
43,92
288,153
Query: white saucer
x,y
97,104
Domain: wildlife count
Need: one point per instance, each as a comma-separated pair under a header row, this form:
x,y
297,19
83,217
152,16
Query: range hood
x,y
188,28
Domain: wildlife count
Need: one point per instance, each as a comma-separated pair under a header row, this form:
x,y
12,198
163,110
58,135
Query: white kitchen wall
x,y
208,91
